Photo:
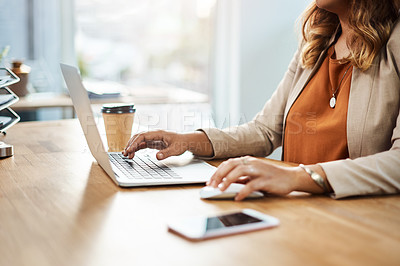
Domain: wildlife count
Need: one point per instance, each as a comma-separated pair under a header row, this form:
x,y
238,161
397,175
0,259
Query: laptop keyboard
x,y
142,167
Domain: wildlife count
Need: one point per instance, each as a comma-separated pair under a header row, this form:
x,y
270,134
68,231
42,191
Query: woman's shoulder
x,y
391,52
394,39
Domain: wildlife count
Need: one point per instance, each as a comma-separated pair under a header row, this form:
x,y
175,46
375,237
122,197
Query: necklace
x,y
332,102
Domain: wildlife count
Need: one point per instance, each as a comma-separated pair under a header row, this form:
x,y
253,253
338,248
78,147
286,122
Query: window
x,y
32,29
153,41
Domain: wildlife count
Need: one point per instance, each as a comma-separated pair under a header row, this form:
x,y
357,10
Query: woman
x,y
336,110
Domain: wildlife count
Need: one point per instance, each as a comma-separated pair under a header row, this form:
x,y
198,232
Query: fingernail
x,y
221,186
160,156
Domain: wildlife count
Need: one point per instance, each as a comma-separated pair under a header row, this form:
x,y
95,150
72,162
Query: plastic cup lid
x,y
118,108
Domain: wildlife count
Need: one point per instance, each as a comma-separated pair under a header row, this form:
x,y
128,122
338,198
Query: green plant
x,y
4,52
83,66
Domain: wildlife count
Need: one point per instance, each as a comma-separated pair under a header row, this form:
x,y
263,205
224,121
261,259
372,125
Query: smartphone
x,y
199,228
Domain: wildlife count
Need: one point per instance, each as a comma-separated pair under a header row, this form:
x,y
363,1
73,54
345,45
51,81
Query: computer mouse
x,y
209,192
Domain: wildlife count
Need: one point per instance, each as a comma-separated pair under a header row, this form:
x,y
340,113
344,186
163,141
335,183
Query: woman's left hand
x,y
257,174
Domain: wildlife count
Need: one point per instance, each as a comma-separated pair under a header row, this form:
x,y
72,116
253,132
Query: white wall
x,y
267,40
267,44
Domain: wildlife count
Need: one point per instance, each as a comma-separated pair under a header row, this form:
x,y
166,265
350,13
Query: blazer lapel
x,y
359,101
306,76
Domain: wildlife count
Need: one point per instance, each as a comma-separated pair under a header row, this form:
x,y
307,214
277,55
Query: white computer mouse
x,y
209,192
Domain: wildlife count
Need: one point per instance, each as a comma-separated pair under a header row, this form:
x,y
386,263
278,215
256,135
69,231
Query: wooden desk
x,y
57,207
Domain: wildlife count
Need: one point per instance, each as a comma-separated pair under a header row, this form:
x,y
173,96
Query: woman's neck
x,y
341,48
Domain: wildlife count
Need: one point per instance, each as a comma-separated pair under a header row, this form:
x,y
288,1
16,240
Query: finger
x,y
167,152
131,140
141,146
236,173
143,137
243,180
253,185
159,145
126,152
131,154
223,170
137,139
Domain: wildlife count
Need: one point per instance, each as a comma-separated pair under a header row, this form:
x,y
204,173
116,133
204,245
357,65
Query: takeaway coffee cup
x,y
118,121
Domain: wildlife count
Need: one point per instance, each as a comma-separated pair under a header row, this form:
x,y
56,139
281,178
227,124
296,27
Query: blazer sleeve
x,y
263,134
378,173
370,175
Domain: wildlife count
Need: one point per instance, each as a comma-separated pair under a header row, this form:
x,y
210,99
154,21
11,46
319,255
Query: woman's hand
x,y
169,143
262,175
258,174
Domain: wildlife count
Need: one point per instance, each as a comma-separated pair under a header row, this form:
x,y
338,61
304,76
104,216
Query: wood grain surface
x,y
58,207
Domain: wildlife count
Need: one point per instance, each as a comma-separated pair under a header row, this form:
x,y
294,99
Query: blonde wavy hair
x,y
371,22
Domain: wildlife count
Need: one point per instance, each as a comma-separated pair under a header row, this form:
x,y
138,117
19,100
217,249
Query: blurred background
x,y
226,55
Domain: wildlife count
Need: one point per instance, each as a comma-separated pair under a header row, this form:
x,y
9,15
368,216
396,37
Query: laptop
x,y
144,169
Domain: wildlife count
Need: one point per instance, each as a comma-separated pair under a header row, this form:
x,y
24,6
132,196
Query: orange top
x,y
314,131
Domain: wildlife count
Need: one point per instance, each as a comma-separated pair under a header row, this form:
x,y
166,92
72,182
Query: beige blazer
x,y
373,125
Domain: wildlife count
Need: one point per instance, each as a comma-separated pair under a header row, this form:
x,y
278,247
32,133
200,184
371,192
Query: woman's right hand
x,y
169,143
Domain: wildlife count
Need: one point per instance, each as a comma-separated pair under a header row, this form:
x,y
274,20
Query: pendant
x,y
332,102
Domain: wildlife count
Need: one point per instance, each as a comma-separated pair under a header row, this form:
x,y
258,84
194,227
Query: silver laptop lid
x,y
81,103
